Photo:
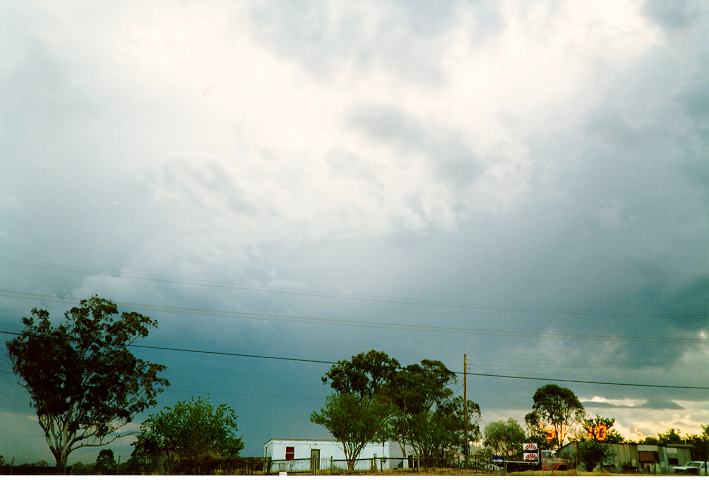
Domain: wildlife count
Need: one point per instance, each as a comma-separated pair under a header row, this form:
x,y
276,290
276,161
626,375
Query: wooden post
x,y
465,407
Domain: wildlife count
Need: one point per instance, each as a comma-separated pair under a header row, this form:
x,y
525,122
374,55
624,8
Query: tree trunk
x,y
60,459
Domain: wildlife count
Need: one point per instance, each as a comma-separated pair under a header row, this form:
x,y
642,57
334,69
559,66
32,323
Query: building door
x,y
315,460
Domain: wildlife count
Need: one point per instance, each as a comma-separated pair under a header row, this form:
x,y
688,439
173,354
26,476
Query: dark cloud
x,y
659,404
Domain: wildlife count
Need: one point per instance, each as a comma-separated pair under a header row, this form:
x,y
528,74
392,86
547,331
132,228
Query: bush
x,y
591,453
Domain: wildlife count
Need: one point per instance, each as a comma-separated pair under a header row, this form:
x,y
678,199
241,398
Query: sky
x,y
522,182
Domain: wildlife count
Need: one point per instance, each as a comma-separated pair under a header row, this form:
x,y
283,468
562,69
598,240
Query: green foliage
x,y
358,412
82,469
426,415
83,380
592,452
363,375
438,435
615,437
188,430
375,399
536,433
480,457
557,408
505,438
353,422
105,463
417,388
699,443
670,436
594,425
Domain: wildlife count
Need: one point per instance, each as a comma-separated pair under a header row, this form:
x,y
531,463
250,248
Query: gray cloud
x,y
444,153
405,37
676,15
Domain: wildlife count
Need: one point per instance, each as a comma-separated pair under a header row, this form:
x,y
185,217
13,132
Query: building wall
x,y
332,454
628,455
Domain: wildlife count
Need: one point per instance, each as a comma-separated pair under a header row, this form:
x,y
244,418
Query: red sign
x,y
531,457
529,447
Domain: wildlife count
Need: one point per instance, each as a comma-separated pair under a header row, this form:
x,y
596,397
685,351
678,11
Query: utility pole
x,y
465,407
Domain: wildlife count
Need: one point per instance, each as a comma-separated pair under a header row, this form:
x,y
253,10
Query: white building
x,y
293,455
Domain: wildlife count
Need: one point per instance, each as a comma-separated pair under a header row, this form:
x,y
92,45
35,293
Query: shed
x,y
317,454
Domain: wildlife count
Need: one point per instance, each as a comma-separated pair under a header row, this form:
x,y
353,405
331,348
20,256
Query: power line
x,y
74,269
229,354
475,374
352,323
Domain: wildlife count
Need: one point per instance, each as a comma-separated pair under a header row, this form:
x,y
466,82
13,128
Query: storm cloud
x,y
525,183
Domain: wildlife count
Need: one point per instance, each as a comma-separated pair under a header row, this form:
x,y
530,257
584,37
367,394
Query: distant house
x,y
644,458
314,455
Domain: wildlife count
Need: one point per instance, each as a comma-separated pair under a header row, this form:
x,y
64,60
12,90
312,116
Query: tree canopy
x,y
557,409
353,422
376,399
83,381
426,414
505,437
362,376
358,412
189,430
105,462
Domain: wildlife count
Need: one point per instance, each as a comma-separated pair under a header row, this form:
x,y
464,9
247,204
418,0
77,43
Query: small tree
x,y
353,422
505,437
426,415
438,435
82,379
594,443
358,412
189,432
556,408
105,462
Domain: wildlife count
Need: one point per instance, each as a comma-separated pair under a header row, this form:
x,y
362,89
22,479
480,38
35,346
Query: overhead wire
x,y
475,374
172,309
75,269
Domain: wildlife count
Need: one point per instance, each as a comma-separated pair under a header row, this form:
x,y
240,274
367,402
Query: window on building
x,y
290,453
648,457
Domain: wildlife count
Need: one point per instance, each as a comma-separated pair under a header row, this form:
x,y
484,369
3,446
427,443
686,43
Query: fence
x,y
333,465
197,466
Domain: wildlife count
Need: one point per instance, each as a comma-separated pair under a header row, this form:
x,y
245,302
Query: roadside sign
x,y
529,447
531,457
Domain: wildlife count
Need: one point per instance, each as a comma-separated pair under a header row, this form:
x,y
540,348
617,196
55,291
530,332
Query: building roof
x,y
303,439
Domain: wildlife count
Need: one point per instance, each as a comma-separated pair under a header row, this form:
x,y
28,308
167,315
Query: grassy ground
x,y
458,472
